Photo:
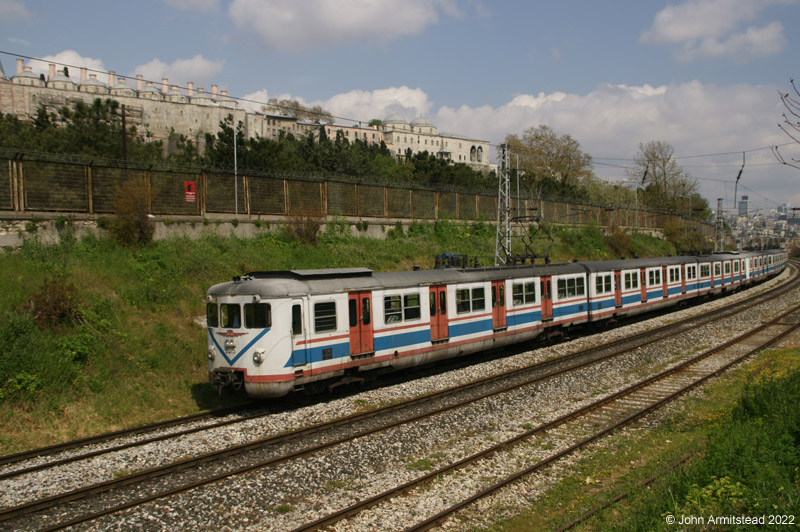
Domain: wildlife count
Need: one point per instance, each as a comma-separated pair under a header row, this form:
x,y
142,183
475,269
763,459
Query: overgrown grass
x,y
742,435
130,351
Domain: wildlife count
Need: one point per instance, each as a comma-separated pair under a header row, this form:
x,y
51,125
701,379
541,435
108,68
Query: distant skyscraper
x,y
744,206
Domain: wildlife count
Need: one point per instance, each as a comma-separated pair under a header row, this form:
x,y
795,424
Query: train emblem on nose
x,y
229,334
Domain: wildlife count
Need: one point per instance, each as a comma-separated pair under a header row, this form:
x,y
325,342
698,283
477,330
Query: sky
x,y
702,75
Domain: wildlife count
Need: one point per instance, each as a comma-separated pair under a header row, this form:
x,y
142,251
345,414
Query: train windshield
x,y
230,316
212,315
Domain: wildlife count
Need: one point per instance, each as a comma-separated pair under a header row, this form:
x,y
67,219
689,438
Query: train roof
x,y
291,283
633,264
297,283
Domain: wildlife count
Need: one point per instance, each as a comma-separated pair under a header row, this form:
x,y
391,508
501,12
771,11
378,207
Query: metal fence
x,y
84,187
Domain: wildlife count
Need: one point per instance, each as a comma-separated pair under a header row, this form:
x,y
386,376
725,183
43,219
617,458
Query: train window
x,y
442,303
212,315
602,284
571,287
691,272
727,268
705,270
717,270
353,312
674,275
257,315
736,267
297,320
325,316
502,290
366,314
654,277
530,292
631,281
522,293
230,316
433,303
411,307
392,309
478,299
462,301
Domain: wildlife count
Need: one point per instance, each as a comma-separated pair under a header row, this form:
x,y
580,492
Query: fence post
x,y
89,188
246,186
21,185
202,191
286,202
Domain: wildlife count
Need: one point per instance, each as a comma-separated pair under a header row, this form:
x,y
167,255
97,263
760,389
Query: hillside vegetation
x,y
96,335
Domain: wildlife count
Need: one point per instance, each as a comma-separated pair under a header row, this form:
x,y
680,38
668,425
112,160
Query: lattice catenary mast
x,y
502,248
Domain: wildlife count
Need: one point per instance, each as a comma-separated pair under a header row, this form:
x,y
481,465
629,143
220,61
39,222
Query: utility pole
x,y
235,169
124,144
720,228
502,248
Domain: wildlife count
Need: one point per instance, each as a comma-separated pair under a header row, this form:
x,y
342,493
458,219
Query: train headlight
x,y
258,356
211,354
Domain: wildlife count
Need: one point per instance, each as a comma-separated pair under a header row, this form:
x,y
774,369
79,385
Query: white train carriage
x,y
278,332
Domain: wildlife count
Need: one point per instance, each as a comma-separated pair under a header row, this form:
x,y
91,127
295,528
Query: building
x,y
161,108
744,206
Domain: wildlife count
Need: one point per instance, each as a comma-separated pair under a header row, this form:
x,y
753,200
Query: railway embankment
x,y
96,335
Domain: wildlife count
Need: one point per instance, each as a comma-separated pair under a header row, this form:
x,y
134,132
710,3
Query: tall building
x,y
744,206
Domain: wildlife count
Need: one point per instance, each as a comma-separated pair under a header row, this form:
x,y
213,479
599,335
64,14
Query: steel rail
x,y
208,457
435,520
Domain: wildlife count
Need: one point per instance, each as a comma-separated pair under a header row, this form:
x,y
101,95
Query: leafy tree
x,y
545,155
295,109
93,130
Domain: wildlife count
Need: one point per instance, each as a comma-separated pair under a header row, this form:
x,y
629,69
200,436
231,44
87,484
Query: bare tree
x,y
791,123
663,179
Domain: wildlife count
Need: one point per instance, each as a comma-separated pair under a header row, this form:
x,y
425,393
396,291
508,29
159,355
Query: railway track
x,y
609,414
93,501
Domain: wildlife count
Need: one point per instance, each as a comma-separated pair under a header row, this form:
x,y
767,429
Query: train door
x,y
617,288
299,335
498,305
643,284
438,306
547,298
360,314
683,279
664,282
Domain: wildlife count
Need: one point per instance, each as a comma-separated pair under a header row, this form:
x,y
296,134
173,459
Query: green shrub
x,y
133,224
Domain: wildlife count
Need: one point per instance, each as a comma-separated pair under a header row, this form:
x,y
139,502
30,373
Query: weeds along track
x,y
314,471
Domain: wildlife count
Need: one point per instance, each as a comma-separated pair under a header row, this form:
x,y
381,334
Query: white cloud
x,y
13,10
73,61
753,42
310,24
716,28
254,101
198,69
366,105
612,120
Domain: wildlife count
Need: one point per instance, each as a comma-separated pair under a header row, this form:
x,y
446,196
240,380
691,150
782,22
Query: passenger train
x,y
279,332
